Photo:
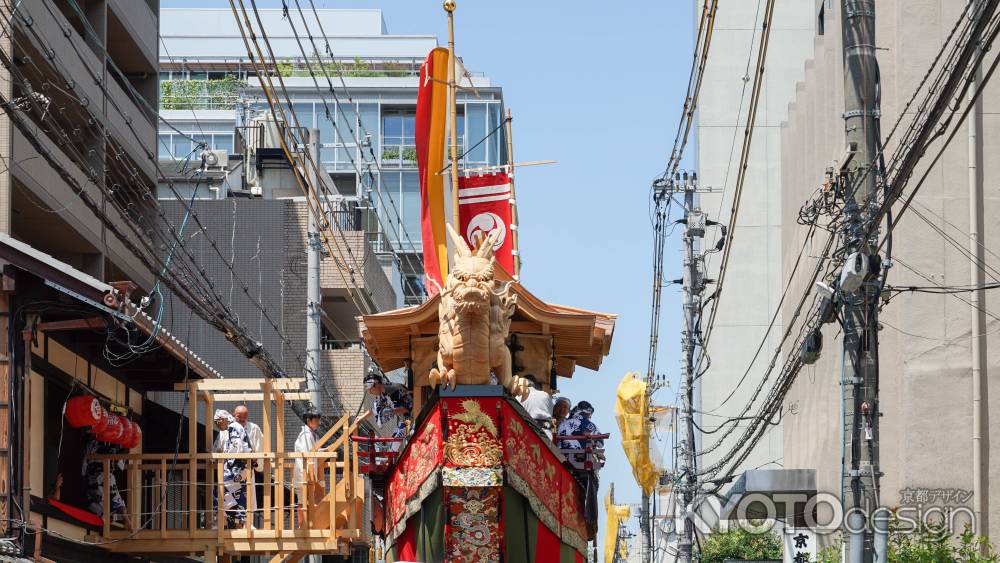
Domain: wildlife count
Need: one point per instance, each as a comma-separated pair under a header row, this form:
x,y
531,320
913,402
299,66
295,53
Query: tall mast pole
x,y
449,6
860,465
513,199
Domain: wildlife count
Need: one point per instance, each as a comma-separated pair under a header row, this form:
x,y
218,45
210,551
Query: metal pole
x,y
645,530
980,483
860,309
449,6
313,295
692,300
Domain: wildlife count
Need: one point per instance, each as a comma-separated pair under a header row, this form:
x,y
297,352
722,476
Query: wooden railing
x,y
175,502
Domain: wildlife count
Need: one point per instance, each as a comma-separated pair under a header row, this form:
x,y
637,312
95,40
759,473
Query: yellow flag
x,y
617,514
632,413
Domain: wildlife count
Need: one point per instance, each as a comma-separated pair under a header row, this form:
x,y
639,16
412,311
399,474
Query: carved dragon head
x,y
471,280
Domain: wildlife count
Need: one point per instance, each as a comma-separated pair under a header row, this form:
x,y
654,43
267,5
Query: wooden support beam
x,y
164,509
329,434
220,511
265,389
106,500
247,396
247,384
193,464
73,324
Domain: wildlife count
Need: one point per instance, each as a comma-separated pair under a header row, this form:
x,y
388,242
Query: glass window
x,y
498,141
399,128
164,147
347,123
204,140
460,133
476,123
182,146
369,125
223,142
409,128
392,129
344,158
413,288
325,124
304,113
410,210
197,76
389,195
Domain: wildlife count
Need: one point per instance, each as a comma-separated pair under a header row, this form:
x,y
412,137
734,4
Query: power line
x,y
234,331
758,83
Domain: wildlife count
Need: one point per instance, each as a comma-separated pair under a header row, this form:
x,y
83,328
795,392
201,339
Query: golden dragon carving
x,y
474,317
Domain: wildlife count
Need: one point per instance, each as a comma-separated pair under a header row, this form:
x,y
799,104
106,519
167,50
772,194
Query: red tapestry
x,y
420,459
473,436
487,444
574,527
530,461
473,530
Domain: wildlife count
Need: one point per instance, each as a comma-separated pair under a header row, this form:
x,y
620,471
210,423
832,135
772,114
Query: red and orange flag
x,y
431,126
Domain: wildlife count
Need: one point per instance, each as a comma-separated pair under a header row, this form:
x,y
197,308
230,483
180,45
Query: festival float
x,y
477,479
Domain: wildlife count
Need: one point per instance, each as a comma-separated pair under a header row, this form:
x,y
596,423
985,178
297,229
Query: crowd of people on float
x,y
559,420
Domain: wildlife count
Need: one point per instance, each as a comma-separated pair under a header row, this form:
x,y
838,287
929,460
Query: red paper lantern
x,y
126,432
100,426
85,411
113,431
134,438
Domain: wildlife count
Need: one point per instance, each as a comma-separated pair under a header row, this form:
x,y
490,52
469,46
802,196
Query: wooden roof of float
x,y
581,337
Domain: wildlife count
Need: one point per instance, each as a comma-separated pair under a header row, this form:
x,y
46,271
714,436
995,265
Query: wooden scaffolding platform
x,y
170,497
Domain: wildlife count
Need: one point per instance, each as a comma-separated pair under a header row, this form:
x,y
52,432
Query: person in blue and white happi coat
x,y
234,440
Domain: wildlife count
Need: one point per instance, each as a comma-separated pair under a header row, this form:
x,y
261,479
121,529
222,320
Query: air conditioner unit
x,y
215,159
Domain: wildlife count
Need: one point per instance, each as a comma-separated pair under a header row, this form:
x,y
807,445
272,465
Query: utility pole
x,y
313,295
693,284
859,284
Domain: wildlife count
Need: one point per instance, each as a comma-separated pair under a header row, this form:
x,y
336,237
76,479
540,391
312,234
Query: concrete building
x,y
753,286
211,94
925,356
77,141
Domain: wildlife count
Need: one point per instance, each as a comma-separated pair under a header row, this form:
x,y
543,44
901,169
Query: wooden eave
x,y
580,337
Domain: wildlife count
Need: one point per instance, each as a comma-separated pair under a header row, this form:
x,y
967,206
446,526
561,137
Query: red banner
x,y
484,207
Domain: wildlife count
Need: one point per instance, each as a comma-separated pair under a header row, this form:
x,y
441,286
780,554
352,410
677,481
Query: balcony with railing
x,y
172,499
223,94
399,156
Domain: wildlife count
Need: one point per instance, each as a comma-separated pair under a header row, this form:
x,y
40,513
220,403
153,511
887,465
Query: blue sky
x,y
597,87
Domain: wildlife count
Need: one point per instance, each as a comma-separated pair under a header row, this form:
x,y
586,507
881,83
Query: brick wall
x,y
350,250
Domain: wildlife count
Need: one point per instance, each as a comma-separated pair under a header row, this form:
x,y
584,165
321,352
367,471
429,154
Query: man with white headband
x,y
235,441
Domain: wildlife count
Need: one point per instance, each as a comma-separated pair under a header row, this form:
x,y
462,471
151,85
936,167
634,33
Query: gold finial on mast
x,y
449,6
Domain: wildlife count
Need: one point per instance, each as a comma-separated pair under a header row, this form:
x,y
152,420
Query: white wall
x,y
753,282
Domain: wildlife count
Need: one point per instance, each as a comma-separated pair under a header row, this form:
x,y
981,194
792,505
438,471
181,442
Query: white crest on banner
x,y
482,225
